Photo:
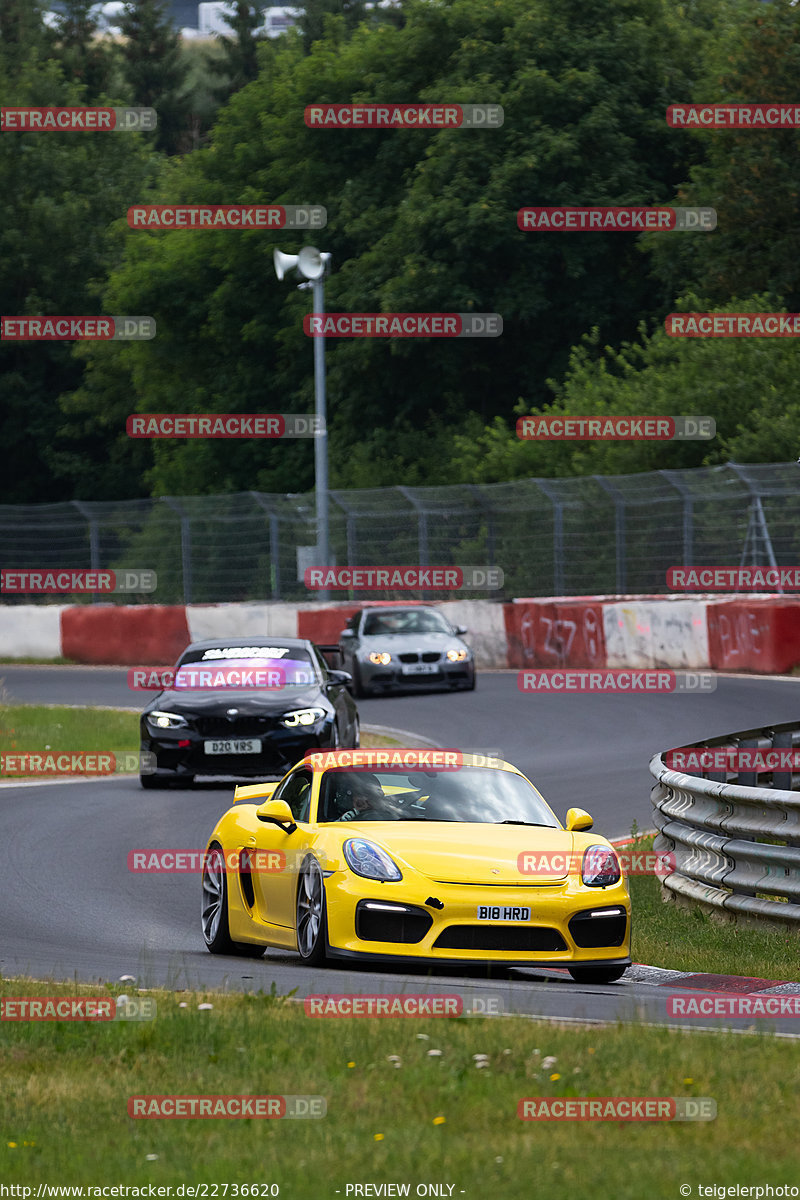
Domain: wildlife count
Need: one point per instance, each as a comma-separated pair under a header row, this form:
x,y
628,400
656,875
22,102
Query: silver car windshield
x,y
479,795
410,620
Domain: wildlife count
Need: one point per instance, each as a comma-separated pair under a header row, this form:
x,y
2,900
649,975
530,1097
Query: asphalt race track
x,y
71,909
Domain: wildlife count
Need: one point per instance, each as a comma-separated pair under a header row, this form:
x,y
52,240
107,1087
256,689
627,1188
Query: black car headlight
x,y
165,720
600,867
302,716
370,861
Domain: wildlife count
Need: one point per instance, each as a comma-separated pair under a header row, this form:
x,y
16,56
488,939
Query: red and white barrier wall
x,y
760,634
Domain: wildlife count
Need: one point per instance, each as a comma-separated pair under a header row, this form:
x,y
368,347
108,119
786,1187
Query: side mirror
x,y
277,812
346,633
461,630
340,677
577,820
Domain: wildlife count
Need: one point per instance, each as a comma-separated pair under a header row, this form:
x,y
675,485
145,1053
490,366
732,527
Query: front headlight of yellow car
x,y
600,867
456,655
303,716
381,658
370,861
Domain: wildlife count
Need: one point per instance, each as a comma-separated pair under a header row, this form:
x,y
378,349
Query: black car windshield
x,y
476,795
263,668
406,620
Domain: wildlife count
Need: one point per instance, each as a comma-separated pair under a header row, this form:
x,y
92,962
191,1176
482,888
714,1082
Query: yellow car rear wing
x,y
254,792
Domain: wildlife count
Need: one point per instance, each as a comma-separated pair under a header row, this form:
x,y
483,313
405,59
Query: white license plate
x,y
503,912
420,669
234,746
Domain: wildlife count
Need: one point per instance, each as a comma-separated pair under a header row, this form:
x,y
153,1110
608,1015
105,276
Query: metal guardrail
x,y
736,846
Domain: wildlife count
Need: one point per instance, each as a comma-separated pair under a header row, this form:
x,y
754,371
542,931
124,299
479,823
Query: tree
x,y
417,221
85,59
316,12
60,192
22,33
751,176
750,386
239,60
154,70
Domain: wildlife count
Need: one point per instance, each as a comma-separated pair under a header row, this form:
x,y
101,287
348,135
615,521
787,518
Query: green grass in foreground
x,y
32,728
433,1118
30,660
690,940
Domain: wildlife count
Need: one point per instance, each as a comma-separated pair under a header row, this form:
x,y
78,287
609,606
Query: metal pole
x,y
321,438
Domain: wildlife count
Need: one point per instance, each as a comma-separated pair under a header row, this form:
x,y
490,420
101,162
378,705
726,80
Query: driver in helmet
x,y
367,799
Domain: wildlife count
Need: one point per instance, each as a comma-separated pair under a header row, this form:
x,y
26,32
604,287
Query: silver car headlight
x,y
456,655
165,720
370,861
380,658
303,716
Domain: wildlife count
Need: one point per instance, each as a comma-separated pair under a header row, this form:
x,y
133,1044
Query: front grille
x,y
245,725
406,924
408,658
499,937
431,656
590,932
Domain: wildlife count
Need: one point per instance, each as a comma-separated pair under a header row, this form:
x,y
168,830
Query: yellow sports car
x,y
414,856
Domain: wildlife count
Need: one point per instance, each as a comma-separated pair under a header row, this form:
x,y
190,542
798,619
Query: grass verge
x,y
684,939
32,728
432,1118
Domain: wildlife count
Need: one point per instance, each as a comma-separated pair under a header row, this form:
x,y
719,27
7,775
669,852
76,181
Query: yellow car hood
x,y
485,854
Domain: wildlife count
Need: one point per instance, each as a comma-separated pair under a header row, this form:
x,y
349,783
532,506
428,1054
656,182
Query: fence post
x,y
558,534
94,539
186,547
688,513
274,544
619,531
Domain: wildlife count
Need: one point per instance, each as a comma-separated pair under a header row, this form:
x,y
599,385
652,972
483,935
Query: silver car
x,y
387,649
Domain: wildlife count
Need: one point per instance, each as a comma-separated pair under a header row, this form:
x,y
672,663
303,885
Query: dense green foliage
x,y
417,221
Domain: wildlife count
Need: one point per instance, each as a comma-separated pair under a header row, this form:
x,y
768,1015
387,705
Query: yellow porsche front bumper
x,y
420,919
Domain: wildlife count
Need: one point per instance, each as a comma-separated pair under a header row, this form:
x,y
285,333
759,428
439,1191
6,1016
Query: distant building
x,y
277,18
206,18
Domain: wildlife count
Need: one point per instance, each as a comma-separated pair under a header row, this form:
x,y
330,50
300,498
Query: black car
x,y
249,707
